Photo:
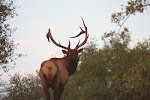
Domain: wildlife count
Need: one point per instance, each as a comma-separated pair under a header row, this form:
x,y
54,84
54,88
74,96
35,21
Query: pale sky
x,y
63,17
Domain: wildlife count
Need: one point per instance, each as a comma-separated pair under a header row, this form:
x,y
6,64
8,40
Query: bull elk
x,y
54,73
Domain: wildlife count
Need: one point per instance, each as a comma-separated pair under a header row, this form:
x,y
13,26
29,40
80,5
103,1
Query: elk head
x,y
71,52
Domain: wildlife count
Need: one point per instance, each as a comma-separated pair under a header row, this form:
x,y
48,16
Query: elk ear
x,y
65,52
80,50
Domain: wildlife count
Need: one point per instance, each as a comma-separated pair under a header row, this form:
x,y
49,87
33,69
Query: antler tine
x,y
77,45
86,35
82,31
49,35
69,45
83,23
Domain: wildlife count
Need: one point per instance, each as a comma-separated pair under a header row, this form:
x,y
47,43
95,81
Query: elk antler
x,y
86,36
49,35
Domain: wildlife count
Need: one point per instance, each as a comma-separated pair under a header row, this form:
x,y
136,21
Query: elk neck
x,y
71,64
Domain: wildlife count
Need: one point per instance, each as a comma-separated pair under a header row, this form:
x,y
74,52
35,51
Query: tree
x,y
134,83
24,87
7,45
132,7
2,86
129,69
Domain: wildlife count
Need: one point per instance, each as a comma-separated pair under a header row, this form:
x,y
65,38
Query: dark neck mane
x,y
70,65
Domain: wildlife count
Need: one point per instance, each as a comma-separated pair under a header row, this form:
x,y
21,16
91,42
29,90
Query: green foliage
x,y
132,7
27,87
7,46
2,90
115,72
